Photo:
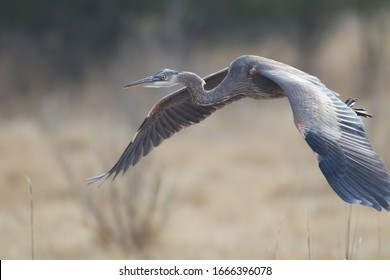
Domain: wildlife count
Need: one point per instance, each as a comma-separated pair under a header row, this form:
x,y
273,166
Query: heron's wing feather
x,y
168,116
336,135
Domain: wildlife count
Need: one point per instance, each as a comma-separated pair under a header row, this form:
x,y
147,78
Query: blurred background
x,y
243,184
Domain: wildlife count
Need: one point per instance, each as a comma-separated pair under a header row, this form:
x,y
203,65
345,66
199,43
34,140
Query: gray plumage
x,y
332,128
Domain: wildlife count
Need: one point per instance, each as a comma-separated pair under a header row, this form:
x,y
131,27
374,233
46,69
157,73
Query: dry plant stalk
x,y
31,216
352,243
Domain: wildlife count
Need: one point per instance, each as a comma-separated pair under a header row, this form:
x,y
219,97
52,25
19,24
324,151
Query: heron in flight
x,y
332,128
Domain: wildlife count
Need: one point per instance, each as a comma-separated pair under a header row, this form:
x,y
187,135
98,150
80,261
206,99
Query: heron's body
x,y
331,127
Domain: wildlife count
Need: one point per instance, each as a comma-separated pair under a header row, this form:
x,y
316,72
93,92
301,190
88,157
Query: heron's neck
x,y
195,86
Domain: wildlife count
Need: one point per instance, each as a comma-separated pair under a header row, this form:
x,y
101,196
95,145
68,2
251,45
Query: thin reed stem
x,y
308,234
348,233
31,216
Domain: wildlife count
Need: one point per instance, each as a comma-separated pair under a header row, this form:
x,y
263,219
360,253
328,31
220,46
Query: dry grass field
x,y
243,184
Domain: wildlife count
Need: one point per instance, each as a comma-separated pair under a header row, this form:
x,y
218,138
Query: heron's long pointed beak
x,y
143,82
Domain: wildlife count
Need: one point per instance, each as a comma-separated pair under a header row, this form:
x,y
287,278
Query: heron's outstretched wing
x,y
336,135
168,116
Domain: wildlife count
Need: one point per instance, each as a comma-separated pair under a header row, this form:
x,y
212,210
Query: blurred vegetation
x,y
62,37
63,118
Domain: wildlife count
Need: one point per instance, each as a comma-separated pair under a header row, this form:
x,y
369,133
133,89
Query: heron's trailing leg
x,y
359,111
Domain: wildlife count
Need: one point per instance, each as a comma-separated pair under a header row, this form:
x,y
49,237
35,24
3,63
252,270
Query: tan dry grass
x,y
233,193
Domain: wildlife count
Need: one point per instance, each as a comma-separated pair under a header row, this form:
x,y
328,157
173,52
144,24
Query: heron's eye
x,y
163,77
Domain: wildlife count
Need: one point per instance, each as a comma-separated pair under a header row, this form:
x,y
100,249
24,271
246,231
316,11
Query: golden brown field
x,y
243,184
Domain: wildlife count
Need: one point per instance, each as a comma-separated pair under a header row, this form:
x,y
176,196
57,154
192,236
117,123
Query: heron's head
x,y
163,78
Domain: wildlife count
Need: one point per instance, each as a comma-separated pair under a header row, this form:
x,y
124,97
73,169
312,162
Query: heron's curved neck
x,y
195,86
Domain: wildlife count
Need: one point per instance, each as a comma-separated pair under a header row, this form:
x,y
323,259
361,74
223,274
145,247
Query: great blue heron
x,y
331,127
